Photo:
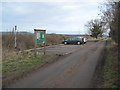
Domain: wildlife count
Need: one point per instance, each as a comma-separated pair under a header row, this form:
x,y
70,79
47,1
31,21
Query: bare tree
x,y
111,18
95,28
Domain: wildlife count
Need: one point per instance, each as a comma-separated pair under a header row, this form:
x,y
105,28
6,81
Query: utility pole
x,y
15,37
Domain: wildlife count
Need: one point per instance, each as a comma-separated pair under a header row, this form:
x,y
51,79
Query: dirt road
x,y
73,71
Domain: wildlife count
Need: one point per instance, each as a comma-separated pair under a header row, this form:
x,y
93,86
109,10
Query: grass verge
x,y
110,69
93,40
20,65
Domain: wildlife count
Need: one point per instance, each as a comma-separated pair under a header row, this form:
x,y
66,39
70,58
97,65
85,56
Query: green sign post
x,y
40,38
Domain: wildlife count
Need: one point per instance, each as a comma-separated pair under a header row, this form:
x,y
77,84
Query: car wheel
x,y
65,43
78,43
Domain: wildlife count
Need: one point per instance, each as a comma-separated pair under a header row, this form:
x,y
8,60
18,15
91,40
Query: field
x,y
26,41
22,64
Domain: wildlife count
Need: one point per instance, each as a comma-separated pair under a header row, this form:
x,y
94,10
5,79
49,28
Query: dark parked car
x,y
75,40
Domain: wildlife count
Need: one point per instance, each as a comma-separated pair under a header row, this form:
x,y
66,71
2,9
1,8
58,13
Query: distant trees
x,y
95,28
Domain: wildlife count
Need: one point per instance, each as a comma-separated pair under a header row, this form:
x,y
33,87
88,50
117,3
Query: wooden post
x,y
35,43
15,37
45,42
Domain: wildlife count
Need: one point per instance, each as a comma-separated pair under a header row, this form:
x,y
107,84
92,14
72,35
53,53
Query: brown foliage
x,y
52,39
24,41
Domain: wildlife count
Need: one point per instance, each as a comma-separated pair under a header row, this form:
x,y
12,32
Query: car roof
x,y
76,37
80,37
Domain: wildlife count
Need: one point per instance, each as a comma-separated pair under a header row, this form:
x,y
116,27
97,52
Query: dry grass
x,y
111,75
21,64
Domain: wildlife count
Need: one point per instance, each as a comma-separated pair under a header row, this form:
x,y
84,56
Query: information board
x,y
39,36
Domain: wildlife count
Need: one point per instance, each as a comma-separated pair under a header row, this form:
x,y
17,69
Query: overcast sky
x,y
56,16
